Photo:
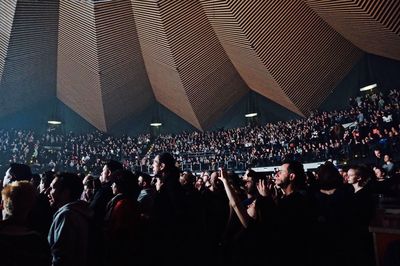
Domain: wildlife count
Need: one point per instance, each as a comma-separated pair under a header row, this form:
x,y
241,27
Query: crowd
x,y
292,217
70,152
370,121
72,199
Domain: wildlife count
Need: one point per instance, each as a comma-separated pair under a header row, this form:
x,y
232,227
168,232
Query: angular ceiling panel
x,y
28,46
183,58
101,73
371,25
109,60
282,49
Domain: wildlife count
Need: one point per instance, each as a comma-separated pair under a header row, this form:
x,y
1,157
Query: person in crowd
x,y
168,216
362,211
104,194
381,184
292,214
99,203
90,186
199,185
250,179
69,237
41,215
331,226
18,243
122,221
17,172
378,160
249,245
146,195
388,165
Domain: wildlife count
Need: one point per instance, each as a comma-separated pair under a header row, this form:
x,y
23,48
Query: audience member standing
x,y
69,235
168,217
362,212
18,244
99,203
122,221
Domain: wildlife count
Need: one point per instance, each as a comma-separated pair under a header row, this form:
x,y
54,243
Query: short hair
x,y
189,176
20,171
113,165
297,168
167,159
18,198
146,177
71,182
329,176
46,178
126,182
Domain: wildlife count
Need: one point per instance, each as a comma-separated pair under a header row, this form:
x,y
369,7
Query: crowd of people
x,y
371,120
291,217
95,199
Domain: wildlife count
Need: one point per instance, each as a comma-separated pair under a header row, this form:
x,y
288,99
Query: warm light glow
x,y
156,124
54,122
369,87
250,115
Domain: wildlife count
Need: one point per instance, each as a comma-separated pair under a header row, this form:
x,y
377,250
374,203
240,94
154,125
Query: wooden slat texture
x,y
371,25
28,49
7,10
109,59
282,49
187,67
101,73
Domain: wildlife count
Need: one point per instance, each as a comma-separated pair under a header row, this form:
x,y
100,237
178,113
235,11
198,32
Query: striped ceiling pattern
x,y
109,60
99,76
371,25
188,68
279,47
28,46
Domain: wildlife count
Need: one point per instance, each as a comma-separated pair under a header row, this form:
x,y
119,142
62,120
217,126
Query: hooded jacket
x,y
69,234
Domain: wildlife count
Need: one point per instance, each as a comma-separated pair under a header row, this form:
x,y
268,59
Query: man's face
x,y
7,178
104,174
56,195
156,165
282,176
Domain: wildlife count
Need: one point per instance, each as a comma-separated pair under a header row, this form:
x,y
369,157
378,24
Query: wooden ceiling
x,y
109,60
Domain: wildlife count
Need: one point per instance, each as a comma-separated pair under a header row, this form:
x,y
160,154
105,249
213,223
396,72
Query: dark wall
x,y
36,117
370,69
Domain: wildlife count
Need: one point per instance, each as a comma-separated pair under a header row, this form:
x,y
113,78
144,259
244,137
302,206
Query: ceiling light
x,y
156,124
369,87
54,122
251,115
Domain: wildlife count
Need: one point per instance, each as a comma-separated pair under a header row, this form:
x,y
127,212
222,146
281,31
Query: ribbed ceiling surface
x,y
371,25
188,68
101,74
279,47
109,60
28,45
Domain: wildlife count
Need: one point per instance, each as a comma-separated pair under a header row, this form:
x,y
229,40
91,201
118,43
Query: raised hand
x,y
263,188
